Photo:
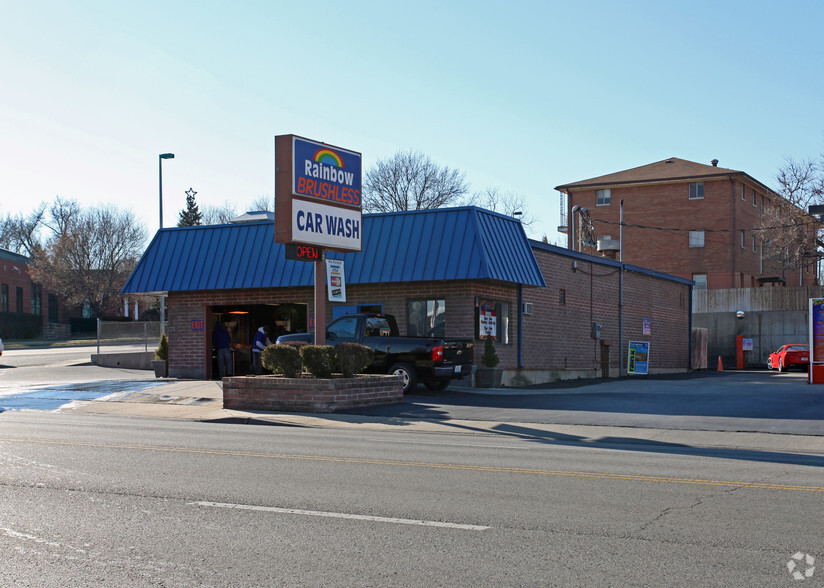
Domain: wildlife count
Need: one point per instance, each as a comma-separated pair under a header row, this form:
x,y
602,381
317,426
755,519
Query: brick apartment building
x,y
716,216
449,262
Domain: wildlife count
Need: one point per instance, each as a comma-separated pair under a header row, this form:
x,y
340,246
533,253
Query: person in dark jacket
x,y
260,343
222,341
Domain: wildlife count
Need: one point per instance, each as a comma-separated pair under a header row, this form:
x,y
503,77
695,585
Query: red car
x,y
789,356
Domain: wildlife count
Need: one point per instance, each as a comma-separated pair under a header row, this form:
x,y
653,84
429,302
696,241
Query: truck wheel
x,y
436,385
408,373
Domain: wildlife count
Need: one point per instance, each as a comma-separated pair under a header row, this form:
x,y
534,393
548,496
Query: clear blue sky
x,y
522,96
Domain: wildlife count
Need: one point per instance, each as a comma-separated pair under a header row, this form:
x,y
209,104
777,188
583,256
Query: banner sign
x,y
326,173
335,280
646,326
326,226
638,358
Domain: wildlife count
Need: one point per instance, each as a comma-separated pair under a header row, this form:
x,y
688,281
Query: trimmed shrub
x,y
490,356
282,359
162,351
318,359
353,358
18,325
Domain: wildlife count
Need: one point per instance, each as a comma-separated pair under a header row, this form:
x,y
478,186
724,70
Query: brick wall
x,y
558,335
310,395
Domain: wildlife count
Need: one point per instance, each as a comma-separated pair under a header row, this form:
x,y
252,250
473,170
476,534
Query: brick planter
x,y
277,393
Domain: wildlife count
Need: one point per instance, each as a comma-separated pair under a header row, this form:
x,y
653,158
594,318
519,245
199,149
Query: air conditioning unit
x,y
526,307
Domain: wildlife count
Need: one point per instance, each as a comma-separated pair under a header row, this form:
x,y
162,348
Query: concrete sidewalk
x,y
202,401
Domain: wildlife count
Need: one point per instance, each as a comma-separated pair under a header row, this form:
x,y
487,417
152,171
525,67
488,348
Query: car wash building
x,y
459,272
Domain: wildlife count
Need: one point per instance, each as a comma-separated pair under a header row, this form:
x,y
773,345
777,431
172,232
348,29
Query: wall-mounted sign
x,y
638,358
303,252
646,326
487,323
335,280
746,344
198,325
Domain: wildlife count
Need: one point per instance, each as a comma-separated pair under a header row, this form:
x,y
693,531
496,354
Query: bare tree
x,y
508,203
21,233
263,202
792,236
802,182
410,180
90,260
61,213
218,215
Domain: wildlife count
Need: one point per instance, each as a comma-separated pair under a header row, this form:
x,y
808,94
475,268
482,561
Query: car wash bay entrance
x,y
243,320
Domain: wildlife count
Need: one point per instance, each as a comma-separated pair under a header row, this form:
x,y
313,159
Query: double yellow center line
x,y
423,464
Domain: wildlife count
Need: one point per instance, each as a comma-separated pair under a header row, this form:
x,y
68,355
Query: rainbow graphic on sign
x,y
327,156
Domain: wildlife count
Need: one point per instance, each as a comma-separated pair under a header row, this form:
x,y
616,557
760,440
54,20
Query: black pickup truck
x,y
432,360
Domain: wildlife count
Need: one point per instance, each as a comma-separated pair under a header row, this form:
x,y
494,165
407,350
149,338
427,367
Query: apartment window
x,y
561,297
426,318
742,240
743,190
753,243
696,190
53,309
4,298
602,197
700,281
19,301
36,299
754,199
696,238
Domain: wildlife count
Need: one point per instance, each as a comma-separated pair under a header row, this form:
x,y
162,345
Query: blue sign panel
x,y
326,173
638,358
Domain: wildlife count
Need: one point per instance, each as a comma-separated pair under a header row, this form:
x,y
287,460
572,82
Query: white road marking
x,y
340,515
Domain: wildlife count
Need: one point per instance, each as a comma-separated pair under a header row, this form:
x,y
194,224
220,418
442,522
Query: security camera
x,y
740,314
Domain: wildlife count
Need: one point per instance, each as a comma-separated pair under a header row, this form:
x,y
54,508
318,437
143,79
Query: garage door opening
x,y
243,321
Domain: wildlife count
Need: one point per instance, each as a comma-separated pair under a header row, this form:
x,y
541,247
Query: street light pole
x,y
160,159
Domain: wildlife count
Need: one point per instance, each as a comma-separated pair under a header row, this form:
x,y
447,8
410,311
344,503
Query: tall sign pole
x,y
317,203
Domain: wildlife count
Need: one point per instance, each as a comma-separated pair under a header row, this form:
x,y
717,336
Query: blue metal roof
x,y
466,243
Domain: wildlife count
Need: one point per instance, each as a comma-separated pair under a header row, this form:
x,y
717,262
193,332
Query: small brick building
x,y
715,216
434,269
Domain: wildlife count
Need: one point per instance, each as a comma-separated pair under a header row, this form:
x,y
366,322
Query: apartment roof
x,y
667,170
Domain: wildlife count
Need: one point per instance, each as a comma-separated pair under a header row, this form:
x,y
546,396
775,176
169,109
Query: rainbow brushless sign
x,y
326,173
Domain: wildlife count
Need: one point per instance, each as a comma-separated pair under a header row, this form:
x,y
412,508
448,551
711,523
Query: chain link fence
x,y
119,336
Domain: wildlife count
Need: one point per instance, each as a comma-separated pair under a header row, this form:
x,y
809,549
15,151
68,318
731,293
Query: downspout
x,y
689,333
732,233
520,326
621,292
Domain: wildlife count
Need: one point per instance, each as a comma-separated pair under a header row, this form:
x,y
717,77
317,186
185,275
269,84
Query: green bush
x,y
353,358
162,351
318,359
282,359
490,356
18,325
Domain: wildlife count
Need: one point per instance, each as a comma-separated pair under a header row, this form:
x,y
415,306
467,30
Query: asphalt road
x,y
104,501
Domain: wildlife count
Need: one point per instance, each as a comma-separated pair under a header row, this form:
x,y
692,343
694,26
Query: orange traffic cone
x,y
720,365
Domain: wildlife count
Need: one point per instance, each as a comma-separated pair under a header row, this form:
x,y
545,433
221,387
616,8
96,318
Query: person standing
x,y
222,340
260,343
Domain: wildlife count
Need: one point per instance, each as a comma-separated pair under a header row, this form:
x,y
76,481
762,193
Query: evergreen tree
x,y
191,215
